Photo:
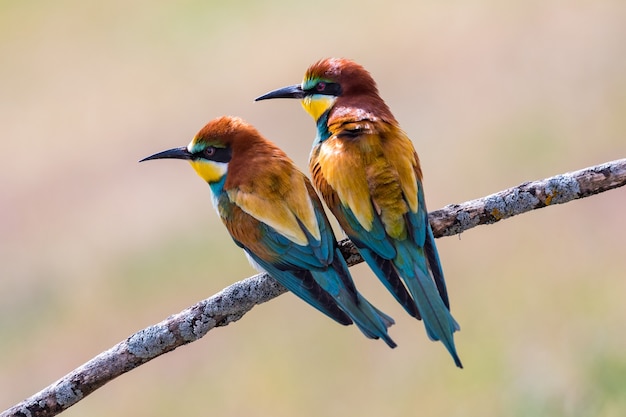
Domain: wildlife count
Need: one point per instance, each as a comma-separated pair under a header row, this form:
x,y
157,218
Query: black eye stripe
x,y
215,154
325,88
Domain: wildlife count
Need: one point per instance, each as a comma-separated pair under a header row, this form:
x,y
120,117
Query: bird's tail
x,y
304,285
370,320
336,280
439,323
387,274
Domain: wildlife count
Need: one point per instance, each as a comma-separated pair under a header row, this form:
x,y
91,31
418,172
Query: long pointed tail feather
x,y
337,282
368,317
303,285
386,273
432,256
439,323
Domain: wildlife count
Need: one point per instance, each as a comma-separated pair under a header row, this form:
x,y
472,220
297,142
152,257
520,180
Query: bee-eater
x,y
368,172
272,211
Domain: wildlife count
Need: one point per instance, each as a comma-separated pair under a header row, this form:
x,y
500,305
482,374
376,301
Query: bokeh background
x,y
94,246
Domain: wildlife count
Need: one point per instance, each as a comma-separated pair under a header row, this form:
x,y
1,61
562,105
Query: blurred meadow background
x,y
94,246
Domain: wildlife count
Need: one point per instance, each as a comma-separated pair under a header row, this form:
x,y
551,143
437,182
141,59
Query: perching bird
x,y
366,169
272,211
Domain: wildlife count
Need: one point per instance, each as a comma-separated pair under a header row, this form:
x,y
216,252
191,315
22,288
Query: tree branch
x,y
233,302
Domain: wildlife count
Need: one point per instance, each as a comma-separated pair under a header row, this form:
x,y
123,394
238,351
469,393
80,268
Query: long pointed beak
x,y
293,91
176,153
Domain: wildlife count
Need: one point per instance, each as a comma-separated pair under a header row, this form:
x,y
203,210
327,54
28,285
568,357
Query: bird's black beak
x,y
176,153
293,91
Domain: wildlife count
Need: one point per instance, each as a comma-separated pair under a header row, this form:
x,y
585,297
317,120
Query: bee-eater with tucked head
x,y
272,211
366,169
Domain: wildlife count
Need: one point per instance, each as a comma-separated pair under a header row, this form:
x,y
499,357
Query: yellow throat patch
x,y
317,104
210,171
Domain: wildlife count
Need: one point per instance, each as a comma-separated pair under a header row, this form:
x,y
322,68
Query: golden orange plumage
x,y
383,179
262,181
272,211
366,169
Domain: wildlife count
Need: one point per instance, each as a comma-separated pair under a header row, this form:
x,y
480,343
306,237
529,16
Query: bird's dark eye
x,y
216,154
326,88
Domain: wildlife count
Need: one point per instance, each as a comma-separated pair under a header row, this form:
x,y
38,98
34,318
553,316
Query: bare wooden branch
x,y
456,218
233,302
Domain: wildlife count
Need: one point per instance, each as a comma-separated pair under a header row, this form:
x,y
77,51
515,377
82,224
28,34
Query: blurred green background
x,y
94,246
